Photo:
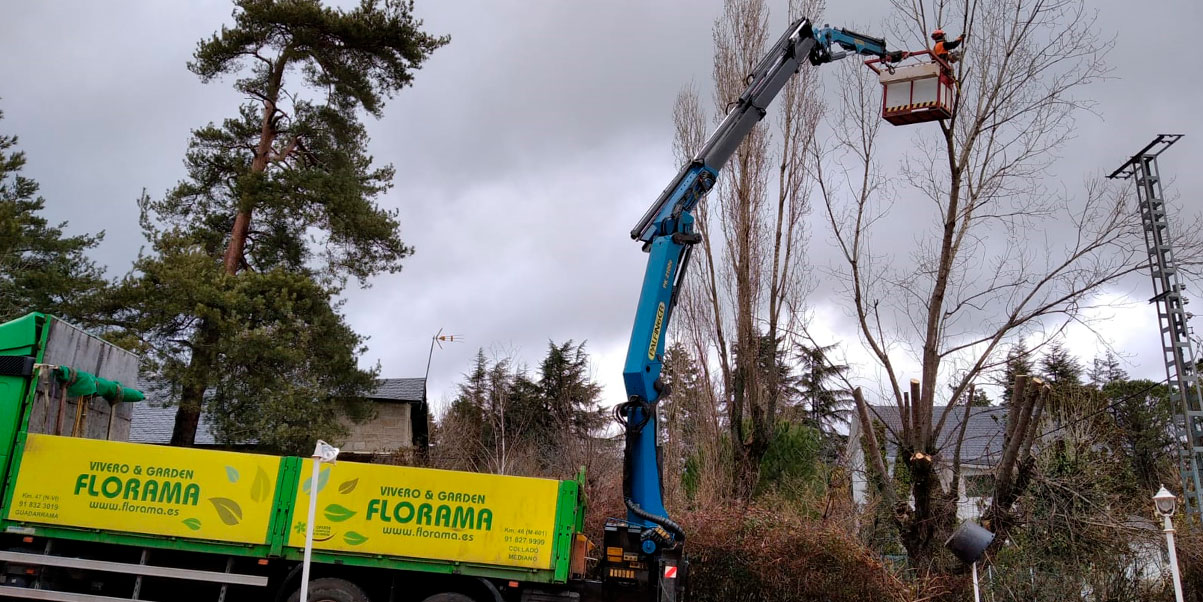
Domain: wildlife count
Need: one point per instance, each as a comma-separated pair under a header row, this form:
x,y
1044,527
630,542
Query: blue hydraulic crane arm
x,y
668,235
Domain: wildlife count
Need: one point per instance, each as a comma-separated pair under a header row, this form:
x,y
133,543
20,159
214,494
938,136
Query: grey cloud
x,y
525,150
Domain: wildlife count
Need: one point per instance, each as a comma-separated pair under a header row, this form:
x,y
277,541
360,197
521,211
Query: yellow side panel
x,y
96,484
424,513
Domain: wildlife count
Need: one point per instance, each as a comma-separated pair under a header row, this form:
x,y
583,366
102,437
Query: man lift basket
x,y
916,93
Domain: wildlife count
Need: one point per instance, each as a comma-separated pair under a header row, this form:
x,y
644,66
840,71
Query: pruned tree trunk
x,y
980,276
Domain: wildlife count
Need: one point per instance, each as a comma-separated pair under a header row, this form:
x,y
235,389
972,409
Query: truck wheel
x,y
331,590
449,597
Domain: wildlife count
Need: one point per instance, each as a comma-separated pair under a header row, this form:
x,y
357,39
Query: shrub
x,y
756,554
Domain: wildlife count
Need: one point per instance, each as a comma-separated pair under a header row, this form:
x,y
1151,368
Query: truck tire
x,y
449,597
331,590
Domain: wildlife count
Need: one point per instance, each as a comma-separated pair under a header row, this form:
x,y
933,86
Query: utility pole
x,y
1180,367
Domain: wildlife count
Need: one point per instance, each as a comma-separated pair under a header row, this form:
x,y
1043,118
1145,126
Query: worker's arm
x,y
952,45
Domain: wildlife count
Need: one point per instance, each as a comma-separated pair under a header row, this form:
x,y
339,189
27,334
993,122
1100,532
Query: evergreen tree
x,y
683,409
504,421
1060,367
1019,362
41,269
1105,370
461,435
569,393
980,399
829,406
1142,414
687,420
283,193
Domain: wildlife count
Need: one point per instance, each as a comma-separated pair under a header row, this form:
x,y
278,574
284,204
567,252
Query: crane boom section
x,y
667,233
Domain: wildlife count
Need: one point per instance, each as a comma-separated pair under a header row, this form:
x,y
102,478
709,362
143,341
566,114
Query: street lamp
x,y
968,543
1165,503
323,453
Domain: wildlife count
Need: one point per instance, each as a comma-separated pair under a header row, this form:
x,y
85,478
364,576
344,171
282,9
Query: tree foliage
x,y
1018,362
1106,369
41,268
1060,367
820,383
506,422
277,212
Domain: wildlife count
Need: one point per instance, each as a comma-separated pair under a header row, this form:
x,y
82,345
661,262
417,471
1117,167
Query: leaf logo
x,y
353,539
232,474
322,478
192,523
228,510
260,489
337,514
348,486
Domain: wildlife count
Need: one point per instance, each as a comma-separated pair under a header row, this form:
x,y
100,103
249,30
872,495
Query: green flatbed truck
x,y
90,519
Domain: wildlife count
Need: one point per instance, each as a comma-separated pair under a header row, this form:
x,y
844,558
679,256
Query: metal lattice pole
x,y
1180,366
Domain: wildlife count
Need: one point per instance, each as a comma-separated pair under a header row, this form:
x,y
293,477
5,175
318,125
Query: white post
x,y
977,596
1169,540
323,453
317,464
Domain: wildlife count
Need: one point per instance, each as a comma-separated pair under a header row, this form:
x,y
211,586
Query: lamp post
x,y
323,453
1165,503
968,543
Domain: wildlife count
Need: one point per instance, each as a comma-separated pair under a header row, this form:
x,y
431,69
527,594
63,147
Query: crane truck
x,y
648,544
88,519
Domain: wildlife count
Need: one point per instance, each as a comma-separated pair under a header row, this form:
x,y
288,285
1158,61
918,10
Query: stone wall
x,y
389,431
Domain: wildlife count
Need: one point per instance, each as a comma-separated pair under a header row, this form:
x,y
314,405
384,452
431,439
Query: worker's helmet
x,y
937,35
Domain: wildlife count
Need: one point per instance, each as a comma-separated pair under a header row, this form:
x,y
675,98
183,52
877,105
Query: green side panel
x,y
20,336
569,510
285,499
584,502
24,336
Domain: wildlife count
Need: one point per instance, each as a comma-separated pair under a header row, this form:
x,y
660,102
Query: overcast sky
x,y
525,151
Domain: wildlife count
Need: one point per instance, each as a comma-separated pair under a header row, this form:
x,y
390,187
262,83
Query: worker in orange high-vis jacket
x,y
943,49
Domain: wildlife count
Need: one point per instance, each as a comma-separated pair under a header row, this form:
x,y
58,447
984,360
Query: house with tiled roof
x,y
981,451
398,429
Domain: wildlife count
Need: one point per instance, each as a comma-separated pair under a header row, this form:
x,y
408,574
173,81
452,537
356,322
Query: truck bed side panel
x,y
165,491
419,513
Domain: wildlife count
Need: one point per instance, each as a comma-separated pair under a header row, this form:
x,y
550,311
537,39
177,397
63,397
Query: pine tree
x,y
567,389
461,431
41,269
1143,415
1059,366
692,453
1105,370
980,399
829,406
279,202
1019,362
